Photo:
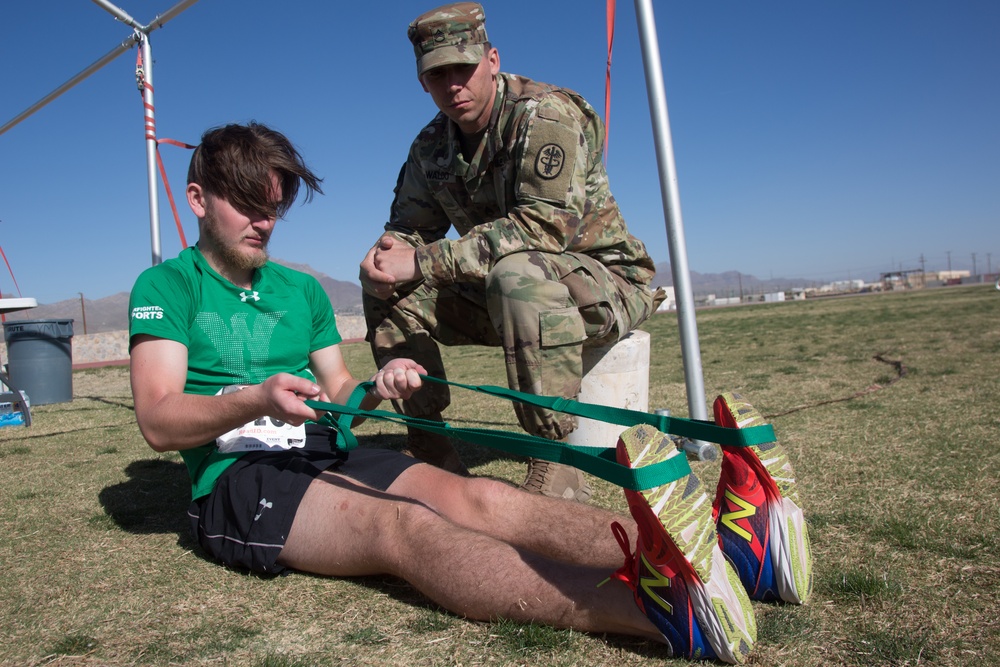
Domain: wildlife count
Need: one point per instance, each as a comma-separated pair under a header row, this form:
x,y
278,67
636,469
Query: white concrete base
x,y
615,375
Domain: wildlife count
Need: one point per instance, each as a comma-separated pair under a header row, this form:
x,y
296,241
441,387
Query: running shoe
x,y
680,578
757,511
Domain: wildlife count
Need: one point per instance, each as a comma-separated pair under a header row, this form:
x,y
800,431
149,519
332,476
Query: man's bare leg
x,y
345,529
559,529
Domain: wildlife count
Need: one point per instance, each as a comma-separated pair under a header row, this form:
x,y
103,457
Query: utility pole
x,y
948,252
83,312
974,274
989,268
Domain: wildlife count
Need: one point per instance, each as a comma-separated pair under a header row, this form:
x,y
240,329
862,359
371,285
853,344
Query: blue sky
x,y
818,140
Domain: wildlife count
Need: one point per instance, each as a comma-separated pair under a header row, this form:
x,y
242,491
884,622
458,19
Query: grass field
x,y
888,405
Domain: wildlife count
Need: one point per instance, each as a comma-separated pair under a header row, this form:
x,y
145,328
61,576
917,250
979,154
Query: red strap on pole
x,y
150,125
607,76
170,196
10,270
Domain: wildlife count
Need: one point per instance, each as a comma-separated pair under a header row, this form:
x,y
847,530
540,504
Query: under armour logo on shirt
x,y
253,295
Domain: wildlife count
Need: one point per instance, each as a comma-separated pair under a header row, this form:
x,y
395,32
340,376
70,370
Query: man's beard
x,y
230,254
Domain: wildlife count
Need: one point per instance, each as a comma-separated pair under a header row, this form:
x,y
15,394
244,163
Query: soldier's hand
x,y
397,259
377,283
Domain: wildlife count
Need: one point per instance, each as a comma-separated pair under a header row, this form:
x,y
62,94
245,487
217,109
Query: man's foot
x,y
759,518
680,578
436,450
556,480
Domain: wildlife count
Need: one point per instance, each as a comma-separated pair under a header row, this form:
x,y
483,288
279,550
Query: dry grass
x,y
898,476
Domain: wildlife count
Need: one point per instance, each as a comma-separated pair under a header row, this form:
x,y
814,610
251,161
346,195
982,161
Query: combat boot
x,y
556,480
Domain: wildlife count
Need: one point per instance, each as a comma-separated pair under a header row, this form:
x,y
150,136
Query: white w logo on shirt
x,y
234,341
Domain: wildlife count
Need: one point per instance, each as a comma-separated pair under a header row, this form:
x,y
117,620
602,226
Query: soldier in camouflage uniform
x,y
544,264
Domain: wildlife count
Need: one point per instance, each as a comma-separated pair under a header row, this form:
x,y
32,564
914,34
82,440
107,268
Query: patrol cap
x,y
452,34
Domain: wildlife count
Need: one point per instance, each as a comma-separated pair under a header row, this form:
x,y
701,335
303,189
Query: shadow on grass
x,y
107,401
157,493
153,500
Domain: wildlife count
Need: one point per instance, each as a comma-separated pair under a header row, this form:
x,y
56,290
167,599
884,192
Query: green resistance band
x,y
599,461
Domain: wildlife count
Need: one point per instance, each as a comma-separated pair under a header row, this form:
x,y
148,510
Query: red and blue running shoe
x,y
678,574
758,516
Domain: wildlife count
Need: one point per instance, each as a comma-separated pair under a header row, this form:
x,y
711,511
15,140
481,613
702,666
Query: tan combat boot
x,y
434,449
556,480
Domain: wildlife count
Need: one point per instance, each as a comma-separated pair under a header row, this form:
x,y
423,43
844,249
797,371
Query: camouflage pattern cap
x,y
449,35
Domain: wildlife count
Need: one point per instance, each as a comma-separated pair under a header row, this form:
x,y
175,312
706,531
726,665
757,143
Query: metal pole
x,y
690,349
119,14
168,15
149,118
150,128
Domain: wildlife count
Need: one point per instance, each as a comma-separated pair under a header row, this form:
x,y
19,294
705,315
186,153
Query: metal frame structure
x,y
690,349
140,36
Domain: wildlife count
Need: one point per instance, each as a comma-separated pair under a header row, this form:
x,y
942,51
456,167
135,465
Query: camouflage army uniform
x,y
544,264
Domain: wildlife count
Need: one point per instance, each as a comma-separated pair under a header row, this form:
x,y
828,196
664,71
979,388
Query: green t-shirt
x,y
234,336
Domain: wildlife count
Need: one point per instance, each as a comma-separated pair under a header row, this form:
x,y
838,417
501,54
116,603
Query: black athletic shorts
x,y
245,521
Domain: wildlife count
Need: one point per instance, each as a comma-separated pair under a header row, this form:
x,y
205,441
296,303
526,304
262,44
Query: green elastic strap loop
x,y
342,425
695,429
598,461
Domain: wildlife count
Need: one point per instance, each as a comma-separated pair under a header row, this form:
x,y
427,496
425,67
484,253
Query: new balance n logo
x,y
729,519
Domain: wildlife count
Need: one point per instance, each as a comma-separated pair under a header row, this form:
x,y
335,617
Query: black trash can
x,y
40,359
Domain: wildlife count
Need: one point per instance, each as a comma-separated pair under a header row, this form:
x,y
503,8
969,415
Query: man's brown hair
x,y
235,163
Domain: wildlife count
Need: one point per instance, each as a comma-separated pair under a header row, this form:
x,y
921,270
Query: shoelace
x,y
626,573
538,475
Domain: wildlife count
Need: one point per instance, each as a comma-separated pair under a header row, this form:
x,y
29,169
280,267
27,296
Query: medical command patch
x,y
550,152
550,160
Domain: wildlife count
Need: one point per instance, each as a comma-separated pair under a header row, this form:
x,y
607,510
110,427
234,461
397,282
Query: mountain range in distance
x,y
111,313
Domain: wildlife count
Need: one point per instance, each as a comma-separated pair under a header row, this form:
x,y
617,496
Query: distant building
x,y
847,285
908,279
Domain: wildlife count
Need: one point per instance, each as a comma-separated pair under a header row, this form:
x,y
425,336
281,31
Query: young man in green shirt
x,y
226,347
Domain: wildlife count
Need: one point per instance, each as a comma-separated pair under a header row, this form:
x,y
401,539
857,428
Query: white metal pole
x,y
149,120
168,15
118,13
149,110
690,349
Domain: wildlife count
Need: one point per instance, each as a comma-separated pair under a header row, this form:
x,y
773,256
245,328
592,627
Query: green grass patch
x,y
898,483
864,583
75,645
871,646
522,641
368,636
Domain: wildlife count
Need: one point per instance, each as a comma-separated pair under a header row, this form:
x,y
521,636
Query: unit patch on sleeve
x,y
549,159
